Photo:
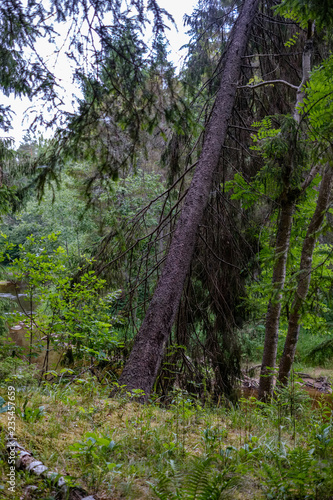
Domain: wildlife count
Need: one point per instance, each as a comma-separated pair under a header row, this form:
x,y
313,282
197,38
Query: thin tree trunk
x,y
306,69
304,276
266,382
274,307
141,368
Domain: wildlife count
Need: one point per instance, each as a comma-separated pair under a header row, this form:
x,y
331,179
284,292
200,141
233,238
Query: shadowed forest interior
x,y
166,253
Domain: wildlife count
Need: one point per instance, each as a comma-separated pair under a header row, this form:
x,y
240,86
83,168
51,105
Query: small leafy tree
x,y
71,317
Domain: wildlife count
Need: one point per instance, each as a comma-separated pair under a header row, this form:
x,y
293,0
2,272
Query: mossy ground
x,y
146,443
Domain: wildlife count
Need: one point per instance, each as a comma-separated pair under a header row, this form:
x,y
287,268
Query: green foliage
x,y
4,308
321,354
133,93
94,454
248,192
82,317
212,438
284,150
30,414
315,311
320,11
16,371
94,448
67,312
202,482
208,27
21,74
61,212
7,197
252,338
249,447
25,72
265,130
294,473
123,81
292,40
81,229
323,438
286,156
318,103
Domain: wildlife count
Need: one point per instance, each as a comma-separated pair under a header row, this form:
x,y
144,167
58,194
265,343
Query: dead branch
x,y
268,82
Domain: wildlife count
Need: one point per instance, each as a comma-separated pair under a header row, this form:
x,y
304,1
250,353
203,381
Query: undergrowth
x,y
117,448
312,349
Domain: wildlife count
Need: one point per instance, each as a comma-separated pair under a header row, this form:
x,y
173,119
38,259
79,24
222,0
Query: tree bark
x,y
266,382
306,68
304,276
24,460
141,368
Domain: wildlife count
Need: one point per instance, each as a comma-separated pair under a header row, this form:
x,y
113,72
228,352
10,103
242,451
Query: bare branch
x,y
269,82
283,54
310,177
216,256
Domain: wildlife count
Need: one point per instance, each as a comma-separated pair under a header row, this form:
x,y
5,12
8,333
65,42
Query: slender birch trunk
x,y
266,383
290,196
304,276
141,368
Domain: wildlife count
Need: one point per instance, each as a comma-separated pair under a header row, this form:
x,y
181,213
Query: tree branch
x,y
310,177
269,82
283,54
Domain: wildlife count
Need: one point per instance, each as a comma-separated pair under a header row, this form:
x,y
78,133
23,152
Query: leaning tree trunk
x,y
141,368
304,275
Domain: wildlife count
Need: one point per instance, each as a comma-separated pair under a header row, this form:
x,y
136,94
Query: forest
x,y
166,251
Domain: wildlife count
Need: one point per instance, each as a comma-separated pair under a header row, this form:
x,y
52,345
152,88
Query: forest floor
x,y
118,449
316,381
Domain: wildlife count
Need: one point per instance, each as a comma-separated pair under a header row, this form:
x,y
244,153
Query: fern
x,y
292,474
201,482
197,482
163,489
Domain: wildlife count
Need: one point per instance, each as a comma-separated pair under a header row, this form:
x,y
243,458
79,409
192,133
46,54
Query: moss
x,y
147,439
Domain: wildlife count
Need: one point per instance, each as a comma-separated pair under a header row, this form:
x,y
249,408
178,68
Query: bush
x,y
16,372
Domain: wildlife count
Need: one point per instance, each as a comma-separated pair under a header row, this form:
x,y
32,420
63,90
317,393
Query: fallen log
x,y
26,461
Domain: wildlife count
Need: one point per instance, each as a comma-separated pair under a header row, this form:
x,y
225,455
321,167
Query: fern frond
x,y
197,481
163,488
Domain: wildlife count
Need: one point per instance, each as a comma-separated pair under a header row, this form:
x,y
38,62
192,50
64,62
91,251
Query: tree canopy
x,y
129,156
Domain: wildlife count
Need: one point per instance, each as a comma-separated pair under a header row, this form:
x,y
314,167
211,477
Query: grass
x,y
304,359
116,448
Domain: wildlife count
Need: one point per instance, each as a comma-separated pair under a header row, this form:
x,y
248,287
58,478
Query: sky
x,y
177,9
61,69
